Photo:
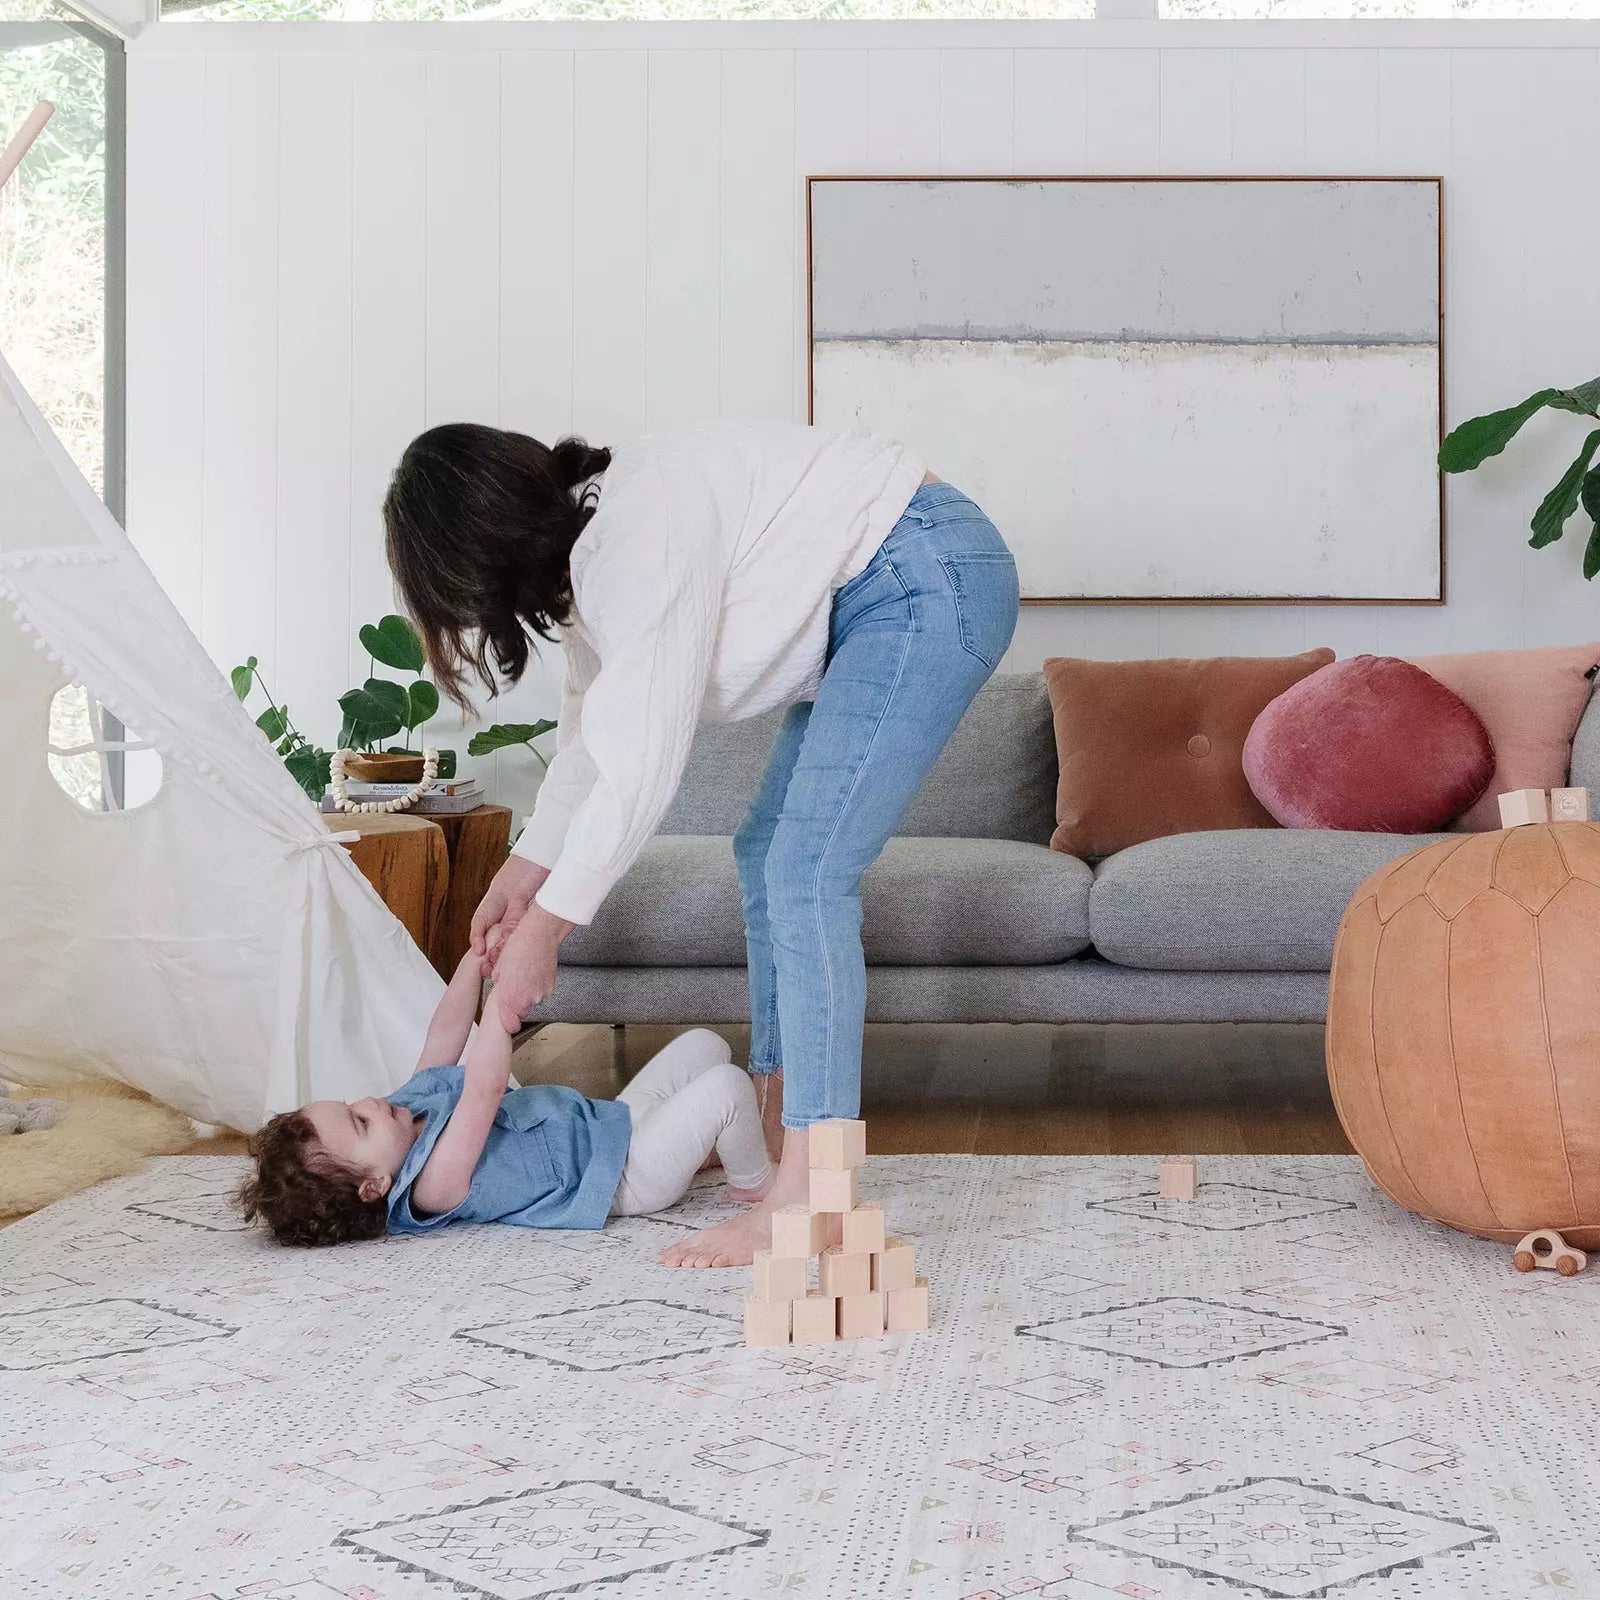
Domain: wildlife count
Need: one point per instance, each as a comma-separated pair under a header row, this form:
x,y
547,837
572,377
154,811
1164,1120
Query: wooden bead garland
x,y
401,802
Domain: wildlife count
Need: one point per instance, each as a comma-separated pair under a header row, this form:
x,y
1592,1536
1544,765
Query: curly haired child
x,y
465,1144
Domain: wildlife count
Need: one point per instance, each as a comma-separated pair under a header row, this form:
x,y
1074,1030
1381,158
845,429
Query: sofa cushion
x,y
1244,900
1151,748
927,902
1372,744
1585,773
995,779
1532,702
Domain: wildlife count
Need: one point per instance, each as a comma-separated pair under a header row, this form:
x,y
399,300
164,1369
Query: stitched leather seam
x,y
1377,1069
1555,1081
1455,1075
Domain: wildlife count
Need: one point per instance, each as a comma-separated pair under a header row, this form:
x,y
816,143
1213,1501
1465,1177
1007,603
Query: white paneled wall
x,y
339,235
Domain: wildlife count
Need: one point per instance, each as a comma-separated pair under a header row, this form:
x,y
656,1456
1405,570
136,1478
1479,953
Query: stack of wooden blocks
x,y
867,1285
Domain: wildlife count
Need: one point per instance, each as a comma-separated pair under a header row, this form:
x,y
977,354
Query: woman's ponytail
x,y
576,461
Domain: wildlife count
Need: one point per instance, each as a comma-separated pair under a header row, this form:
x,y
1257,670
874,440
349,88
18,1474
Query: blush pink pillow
x,y
1531,701
1372,744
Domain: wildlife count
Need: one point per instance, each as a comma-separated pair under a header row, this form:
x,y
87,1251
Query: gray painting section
x,y
1295,262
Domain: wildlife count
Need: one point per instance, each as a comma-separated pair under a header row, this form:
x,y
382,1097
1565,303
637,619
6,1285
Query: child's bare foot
x,y
750,1197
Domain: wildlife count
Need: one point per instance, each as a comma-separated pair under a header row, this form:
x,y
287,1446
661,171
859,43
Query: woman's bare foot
x,y
734,1243
750,1197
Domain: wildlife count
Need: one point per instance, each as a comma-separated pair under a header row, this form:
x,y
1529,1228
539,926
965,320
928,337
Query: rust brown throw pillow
x,y
1151,748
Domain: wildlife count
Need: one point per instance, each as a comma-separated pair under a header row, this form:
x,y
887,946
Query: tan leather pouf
x,y
1464,1031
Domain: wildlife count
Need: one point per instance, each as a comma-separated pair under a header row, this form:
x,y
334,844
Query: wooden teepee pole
x,y
11,156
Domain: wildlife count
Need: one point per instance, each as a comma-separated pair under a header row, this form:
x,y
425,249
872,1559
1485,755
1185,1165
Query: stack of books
x,y
447,797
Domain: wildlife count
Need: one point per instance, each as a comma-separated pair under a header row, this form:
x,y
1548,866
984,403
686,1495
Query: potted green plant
x,y
1474,442
380,709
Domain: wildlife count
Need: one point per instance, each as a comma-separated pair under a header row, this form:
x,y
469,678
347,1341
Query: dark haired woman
x,y
717,574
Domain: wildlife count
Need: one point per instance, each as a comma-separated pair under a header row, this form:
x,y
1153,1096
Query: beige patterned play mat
x,y
1285,1388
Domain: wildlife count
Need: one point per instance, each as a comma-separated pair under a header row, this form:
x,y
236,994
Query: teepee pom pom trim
x,y
336,785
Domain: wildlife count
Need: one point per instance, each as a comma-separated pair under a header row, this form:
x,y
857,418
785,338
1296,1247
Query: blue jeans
x,y
913,637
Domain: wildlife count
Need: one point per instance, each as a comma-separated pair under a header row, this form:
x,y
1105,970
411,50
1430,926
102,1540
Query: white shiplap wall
x,y
339,235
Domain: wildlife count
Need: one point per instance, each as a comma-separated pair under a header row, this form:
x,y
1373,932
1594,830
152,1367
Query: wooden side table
x,y
479,842
407,860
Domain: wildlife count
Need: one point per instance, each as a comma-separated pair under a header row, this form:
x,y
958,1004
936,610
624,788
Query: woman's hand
x,y
524,964
504,904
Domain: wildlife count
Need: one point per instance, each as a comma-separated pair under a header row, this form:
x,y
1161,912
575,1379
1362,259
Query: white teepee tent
x,y
214,947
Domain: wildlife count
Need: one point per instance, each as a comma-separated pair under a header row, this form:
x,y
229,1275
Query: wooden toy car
x,y
1544,1247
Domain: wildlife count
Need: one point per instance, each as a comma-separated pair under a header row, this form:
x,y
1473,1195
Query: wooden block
x,y
861,1316
834,1189
796,1232
1518,807
1569,805
863,1230
1178,1176
906,1310
894,1266
778,1277
841,1274
837,1145
766,1322
816,1319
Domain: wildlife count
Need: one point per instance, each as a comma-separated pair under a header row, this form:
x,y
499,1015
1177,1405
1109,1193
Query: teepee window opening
x,y
96,763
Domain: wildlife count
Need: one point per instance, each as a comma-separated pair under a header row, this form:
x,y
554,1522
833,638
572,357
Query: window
x,y
60,276
58,259
96,763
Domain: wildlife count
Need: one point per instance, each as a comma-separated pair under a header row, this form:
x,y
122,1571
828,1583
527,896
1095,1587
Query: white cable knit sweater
x,y
702,587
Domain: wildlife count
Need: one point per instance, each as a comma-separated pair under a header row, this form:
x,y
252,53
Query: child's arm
x,y
447,1173
453,1019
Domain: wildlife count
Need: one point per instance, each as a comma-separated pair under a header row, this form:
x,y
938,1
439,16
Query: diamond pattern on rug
x,y
1223,1207
1179,1331
1287,1539
57,1336
628,1333
199,1414
550,1541
214,1212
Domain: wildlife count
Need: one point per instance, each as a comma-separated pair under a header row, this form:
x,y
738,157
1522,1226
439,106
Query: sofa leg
x,y
619,1053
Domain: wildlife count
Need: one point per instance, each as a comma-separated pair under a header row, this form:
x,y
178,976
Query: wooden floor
x,y
996,1089
1000,1089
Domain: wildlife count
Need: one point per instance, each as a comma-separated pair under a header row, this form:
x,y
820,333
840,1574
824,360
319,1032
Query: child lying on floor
x,y
456,1144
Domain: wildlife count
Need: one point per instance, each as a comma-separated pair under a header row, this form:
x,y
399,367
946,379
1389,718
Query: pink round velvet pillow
x,y
1372,744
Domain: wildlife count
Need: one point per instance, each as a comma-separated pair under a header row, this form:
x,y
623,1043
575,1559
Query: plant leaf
x,y
377,709
271,722
504,735
1474,442
243,677
1591,504
1550,520
310,769
424,700
394,642
1585,399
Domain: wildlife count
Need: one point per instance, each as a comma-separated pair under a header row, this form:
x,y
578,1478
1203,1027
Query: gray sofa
x,y
970,917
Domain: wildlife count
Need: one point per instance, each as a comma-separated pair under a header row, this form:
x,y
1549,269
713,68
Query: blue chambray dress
x,y
553,1158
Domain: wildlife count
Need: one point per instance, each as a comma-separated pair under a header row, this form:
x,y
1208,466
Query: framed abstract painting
x,y
1161,389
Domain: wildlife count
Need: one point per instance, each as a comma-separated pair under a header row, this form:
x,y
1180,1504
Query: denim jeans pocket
x,y
984,583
